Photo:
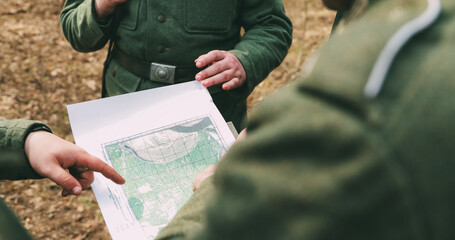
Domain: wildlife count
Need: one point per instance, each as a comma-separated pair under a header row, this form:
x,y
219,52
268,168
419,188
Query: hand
x,y
223,67
210,170
105,8
50,155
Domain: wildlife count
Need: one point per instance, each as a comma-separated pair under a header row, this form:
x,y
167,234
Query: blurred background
x,y
40,74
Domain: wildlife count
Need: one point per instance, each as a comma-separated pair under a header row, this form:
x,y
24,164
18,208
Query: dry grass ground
x,y
40,74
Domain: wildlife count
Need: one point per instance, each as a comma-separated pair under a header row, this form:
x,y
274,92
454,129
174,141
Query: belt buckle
x,y
162,73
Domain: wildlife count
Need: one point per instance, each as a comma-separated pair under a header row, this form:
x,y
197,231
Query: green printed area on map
x,y
160,165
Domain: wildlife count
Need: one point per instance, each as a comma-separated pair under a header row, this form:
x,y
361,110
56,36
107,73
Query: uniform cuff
x,y
16,131
105,25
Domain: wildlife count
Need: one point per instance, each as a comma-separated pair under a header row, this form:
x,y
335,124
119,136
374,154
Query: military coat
x,y
323,161
14,165
177,32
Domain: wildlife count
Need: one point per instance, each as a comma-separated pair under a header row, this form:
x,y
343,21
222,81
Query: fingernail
x,y
198,76
77,190
198,64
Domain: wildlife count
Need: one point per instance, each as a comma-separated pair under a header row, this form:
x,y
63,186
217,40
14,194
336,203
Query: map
x,y
159,167
158,140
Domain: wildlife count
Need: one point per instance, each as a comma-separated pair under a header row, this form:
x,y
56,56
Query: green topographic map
x,y
159,167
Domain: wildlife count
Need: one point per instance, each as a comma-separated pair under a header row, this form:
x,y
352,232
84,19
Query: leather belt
x,y
155,72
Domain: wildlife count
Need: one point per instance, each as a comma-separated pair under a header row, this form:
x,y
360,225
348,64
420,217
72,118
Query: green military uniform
x,y
14,165
177,32
322,161
340,15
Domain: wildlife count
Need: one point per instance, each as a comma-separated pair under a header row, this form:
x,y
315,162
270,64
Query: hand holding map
x,y
158,140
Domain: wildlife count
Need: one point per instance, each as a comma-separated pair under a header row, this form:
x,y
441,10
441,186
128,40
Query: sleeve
x,y
81,28
191,217
267,38
14,164
308,169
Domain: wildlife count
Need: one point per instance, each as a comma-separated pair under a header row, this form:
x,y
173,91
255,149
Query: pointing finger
x,y
95,164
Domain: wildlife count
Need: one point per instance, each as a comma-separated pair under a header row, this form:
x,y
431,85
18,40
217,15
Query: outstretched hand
x,y
222,68
50,156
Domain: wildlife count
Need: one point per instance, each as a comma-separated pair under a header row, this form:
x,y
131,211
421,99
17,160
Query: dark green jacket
x,y
14,165
177,32
321,161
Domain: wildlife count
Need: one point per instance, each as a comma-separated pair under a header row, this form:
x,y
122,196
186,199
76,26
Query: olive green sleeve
x,y
307,170
14,164
81,28
190,218
319,179
321,161
267,38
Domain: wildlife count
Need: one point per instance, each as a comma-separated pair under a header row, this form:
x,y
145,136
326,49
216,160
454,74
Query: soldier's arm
x,y
14,164
267,38
29,150
298,176
210,170
82,28
104,8
52,157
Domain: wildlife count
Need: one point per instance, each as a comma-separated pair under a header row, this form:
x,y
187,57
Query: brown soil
x,y
40,74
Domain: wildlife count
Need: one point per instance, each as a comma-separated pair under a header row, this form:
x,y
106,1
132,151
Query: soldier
x,y
160,43
29,150
348,152
362,148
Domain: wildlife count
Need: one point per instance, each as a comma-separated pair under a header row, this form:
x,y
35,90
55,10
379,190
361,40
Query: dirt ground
x,y
40,74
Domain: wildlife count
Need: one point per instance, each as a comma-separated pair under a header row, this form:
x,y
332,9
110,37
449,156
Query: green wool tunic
x,y
322,161
176,32
14,164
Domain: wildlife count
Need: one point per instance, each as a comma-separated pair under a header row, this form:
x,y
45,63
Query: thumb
x,y
65,180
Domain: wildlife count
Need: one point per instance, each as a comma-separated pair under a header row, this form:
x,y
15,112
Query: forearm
x,y
14,163
81,27
267,38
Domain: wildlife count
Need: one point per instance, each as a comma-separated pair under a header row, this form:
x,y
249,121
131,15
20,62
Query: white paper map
x,y
158,140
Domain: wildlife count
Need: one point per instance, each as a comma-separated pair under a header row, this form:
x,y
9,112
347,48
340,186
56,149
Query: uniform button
x,y
160,49
160,19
